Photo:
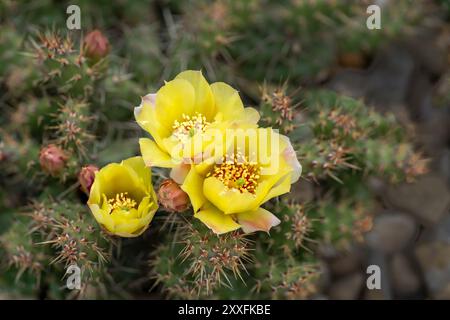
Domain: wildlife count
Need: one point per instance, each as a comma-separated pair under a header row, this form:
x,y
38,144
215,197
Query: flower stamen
x,y
122,202
190,126
238,173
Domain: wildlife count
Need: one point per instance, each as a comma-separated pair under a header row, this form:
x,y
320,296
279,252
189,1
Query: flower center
x,y
238,172
122,202
190,126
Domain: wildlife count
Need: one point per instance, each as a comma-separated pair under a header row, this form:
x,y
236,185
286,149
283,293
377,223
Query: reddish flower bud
x,y
96,45
52,159
86,177
171,197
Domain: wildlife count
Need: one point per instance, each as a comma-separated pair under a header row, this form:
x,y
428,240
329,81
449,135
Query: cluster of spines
x,y
294,233
286,278
64,67
69,230
53,235
348,137
21,253
201,263
71,128
278,108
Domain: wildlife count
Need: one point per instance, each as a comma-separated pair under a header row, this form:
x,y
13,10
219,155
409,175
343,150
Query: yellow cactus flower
x,y
182,113
227,195
122,198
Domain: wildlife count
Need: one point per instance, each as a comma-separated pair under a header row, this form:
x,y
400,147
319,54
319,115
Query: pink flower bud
x,y
171,197
52,159
96,45
86,177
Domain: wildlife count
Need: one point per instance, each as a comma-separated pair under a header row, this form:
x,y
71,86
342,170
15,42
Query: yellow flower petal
x,y
216,220
204,167
95,193
153,156
115,178
146,116
258,220
133,227
179,172
227,100
204,100
193,186
143,207
290,156
250,115
175,98
282,187
138,166
185,152
122,216
102,217
229,200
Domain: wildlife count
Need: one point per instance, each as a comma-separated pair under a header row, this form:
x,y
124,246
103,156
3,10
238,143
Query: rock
x,y
419,97
346,263
433,131
374,295
384,84
441,232
444,294
434,260
347,288
391,232
405,280
444,167
389,78
324,280
428,198
430,47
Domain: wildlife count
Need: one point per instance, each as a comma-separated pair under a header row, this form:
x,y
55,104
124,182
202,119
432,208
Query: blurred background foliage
x,y
283,57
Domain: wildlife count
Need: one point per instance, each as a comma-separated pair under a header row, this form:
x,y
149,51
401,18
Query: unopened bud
x,y
86,177
171,197
96,45
52,159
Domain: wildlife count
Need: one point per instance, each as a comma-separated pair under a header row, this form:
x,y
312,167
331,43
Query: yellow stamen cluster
x,y
189,126
238,173
122,202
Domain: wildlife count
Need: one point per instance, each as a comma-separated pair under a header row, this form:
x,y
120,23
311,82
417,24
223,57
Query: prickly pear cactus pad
x,y
217,150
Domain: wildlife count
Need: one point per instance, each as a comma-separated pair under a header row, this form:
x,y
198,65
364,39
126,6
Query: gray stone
x,y
374,295
434,260
347,288
433,131
441,232
345,263
444,294
444,164
391,232
324,280
428,198
405,280
389,78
